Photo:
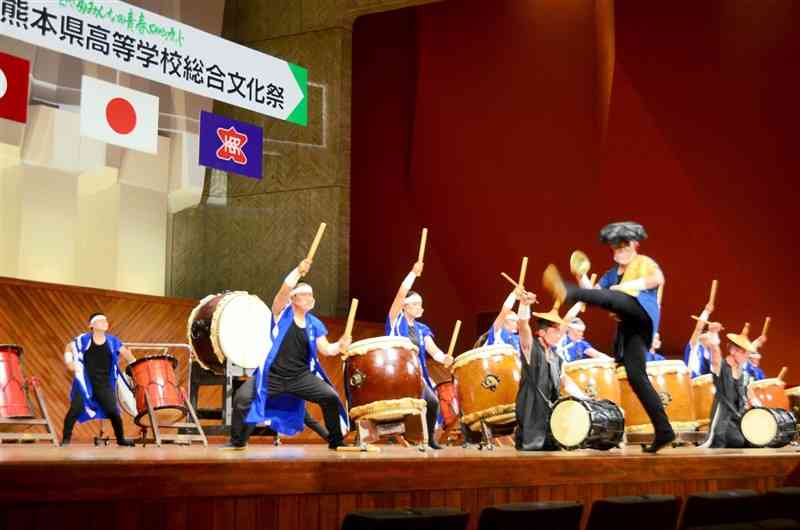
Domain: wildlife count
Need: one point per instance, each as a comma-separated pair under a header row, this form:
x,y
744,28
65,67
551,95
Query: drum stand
x,y
44,421
180,437
369,431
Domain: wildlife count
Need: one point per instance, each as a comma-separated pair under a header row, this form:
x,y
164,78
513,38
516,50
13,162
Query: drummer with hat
x,y
732,395
696,355
403,321
93,359
630,291
542,377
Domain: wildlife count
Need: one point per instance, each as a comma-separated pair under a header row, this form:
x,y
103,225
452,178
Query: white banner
x,y
136,41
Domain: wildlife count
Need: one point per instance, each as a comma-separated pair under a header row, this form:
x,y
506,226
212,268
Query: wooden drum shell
x,y
771,393
487,382
596,377
155,376
672,381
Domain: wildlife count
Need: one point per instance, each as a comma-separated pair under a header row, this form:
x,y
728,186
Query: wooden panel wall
x,y
43,317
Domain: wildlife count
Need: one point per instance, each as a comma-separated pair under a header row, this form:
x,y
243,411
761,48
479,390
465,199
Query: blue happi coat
x,y
284,413
81,384
504,337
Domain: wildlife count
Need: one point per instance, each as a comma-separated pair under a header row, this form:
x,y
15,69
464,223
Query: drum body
x,y
448,404
155,376
13,398
703,392
768,427
233,325
383,378
487,381
793,394
672,382
585,423
771,393
596,377
125,398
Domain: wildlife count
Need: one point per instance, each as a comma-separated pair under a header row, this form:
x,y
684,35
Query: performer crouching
x,y
291,373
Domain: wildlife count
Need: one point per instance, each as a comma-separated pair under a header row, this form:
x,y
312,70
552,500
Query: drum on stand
x,y
771,393
671,381
233,325
793,394
587,424
596,378
154,375
703,392
487,381
768,427
13,397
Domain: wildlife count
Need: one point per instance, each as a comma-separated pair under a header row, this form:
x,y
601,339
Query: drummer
x,y
573,346
695,355
653,354
542,377
505,328
93,359
754,360
402,321
291,373
732,394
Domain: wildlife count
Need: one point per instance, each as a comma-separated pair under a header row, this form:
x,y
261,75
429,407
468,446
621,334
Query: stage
x,y
308,486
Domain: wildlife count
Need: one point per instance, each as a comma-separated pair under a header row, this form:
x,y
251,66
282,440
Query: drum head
x,y
125,398
243,330
570,423
759,427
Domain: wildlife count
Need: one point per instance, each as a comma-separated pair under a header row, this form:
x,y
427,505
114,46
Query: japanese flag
x,y
118,115
14,74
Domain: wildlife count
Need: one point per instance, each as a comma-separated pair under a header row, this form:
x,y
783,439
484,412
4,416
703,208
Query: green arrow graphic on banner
x,y
300,113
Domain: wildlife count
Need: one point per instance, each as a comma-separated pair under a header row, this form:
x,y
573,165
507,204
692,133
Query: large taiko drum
x,y
487,381
672,382
793,394
154,375
233,325
13,399
703,393
771,393
587,423
768,427
383,377
596,377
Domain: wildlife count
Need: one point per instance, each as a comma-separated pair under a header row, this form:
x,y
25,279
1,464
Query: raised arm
x,y
698,328
402,292
572,313
711,343
508,308
525,333
282,297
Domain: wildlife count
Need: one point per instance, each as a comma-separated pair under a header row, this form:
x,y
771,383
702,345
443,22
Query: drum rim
x,y
189,323
588,431
771,414
794,391
705,377
16,347
768,382
361,347
658,368
478,353
603,363
166,356
216,322
142,414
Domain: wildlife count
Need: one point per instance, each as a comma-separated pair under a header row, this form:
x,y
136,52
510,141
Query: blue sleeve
x,y
425,329
607,280
319,328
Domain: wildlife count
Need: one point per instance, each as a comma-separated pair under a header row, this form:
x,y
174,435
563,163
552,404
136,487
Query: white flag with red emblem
x,y
117,115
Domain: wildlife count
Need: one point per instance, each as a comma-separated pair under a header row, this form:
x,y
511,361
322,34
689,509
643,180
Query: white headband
x,y
96,318
303,288
414,298
577,326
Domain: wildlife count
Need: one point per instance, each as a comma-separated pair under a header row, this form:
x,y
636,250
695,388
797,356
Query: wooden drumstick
x,y
351,317
423,241
746,330
522,271
783,373
515,284
454,338
591,282
766,326
713,295
315,243
660,294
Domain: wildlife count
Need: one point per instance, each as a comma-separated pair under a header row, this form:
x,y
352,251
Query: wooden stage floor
x,y
307,486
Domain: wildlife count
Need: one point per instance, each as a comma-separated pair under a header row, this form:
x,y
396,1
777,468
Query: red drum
x,y
155,376
13,399
448,404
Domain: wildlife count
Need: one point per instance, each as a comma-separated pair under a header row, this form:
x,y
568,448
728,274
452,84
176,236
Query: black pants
x,y
105,398
307,386
432,410
634,336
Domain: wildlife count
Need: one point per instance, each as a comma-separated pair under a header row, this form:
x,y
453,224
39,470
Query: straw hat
x,y
742,340
551,316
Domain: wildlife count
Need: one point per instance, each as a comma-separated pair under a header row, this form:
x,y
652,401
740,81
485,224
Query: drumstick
x,y
783,373
423,240
454,338
515,284
591,282
523,269
351,317
713,295
746,329
660,294
315,243
766,326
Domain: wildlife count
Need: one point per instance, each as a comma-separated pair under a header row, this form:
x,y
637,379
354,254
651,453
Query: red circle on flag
x,y
121,115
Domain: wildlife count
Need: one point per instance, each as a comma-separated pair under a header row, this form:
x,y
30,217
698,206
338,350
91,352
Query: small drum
x,y
448,404
235,325
584,423
13,399
703,393
487,381
768,427
595,377
672,382
125,398
383,379
154,375
794,401
771,393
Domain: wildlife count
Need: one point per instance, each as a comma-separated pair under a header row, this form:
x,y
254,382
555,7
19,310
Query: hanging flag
x,y
14,82
117,115
231,145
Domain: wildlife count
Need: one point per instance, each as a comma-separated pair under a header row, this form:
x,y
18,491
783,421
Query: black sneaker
x,y
233,447
124,442
433,445
65,442
334,444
